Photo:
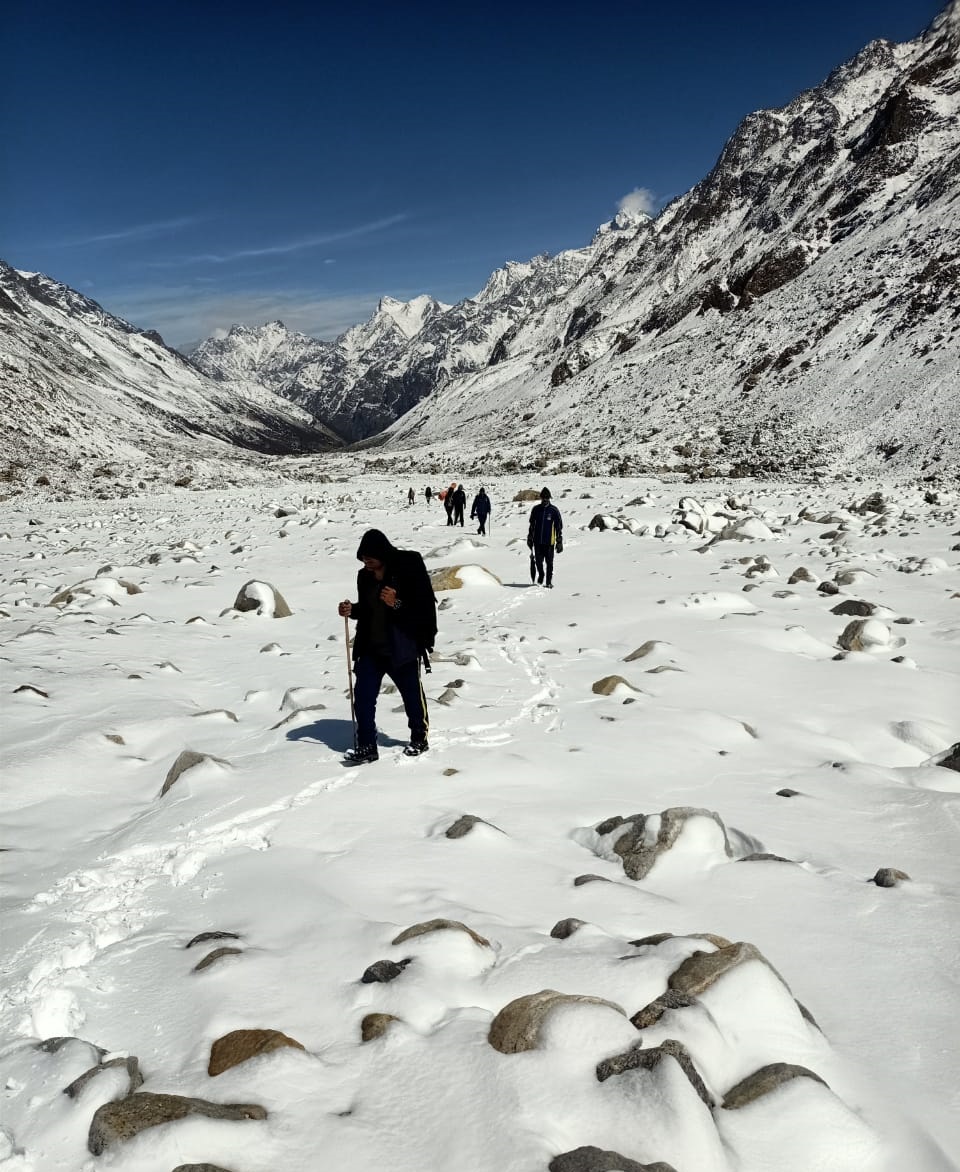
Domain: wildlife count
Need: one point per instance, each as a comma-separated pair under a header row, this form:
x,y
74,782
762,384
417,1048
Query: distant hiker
x,y
447,497
544,536
428,493
459,504
396,616
480,510
411,497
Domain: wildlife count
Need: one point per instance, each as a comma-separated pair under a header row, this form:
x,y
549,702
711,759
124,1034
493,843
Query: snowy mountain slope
x,y
796,307
327,378
799,305
79,386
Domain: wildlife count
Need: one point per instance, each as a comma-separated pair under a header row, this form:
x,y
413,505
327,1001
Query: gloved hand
x,y
559,545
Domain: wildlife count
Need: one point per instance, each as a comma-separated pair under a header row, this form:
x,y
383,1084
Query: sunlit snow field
x,y
317,868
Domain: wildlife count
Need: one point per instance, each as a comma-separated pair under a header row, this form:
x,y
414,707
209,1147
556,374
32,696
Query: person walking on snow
x,y
396,617
411,497
545,535
480,510
459,504
428,493
447,497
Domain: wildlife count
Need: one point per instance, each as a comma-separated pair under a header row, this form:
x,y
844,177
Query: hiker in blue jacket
x,y
480,510
545,535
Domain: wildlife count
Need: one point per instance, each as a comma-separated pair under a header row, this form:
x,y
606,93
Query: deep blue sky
x,y
193,164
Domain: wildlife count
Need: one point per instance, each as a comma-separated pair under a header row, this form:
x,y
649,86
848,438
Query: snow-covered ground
x,y
741,694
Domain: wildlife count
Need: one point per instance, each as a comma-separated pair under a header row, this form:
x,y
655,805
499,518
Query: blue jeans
x,y
369,671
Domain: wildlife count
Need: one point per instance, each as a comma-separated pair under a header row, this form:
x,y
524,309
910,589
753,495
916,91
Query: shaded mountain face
x,y
799,306
78,385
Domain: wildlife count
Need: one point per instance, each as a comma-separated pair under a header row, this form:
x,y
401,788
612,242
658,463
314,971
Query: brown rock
x,y
517,1026
854,606
240,1045
700,971
608,685
763,1081
213,957
117,1122
439,926
889,877
375,1025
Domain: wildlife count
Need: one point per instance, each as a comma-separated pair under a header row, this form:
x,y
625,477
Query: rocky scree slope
x,y
797,309
800,307
79,386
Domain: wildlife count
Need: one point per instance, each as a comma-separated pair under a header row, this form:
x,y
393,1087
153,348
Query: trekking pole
x,y
353,710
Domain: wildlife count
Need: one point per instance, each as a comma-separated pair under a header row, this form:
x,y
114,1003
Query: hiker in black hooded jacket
x,y
396,621
544,536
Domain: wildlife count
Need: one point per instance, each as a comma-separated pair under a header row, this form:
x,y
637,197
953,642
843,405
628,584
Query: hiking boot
x,y
549,585
415,748
539,579
361,755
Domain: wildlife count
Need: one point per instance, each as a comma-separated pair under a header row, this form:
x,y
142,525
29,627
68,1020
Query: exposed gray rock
x,y
383,971
763,1081
563,929
241,1045
131,1064
187,760
247,600
639,857
581,880
854,606
517,1026
464,824
117,1122
439,926
644,1018
951,759
788,793
201,1168
642,651
763,857
640,1059
800,574
591,1159
828,588
889,877
205,937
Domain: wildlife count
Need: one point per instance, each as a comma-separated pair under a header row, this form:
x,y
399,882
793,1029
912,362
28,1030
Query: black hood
x,y
375,544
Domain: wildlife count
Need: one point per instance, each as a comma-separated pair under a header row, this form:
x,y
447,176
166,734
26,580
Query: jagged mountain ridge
x,y
78,384
799,304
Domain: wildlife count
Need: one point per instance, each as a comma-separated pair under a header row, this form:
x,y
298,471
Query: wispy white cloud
x,y
137,232
301,244
185,314
641,200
